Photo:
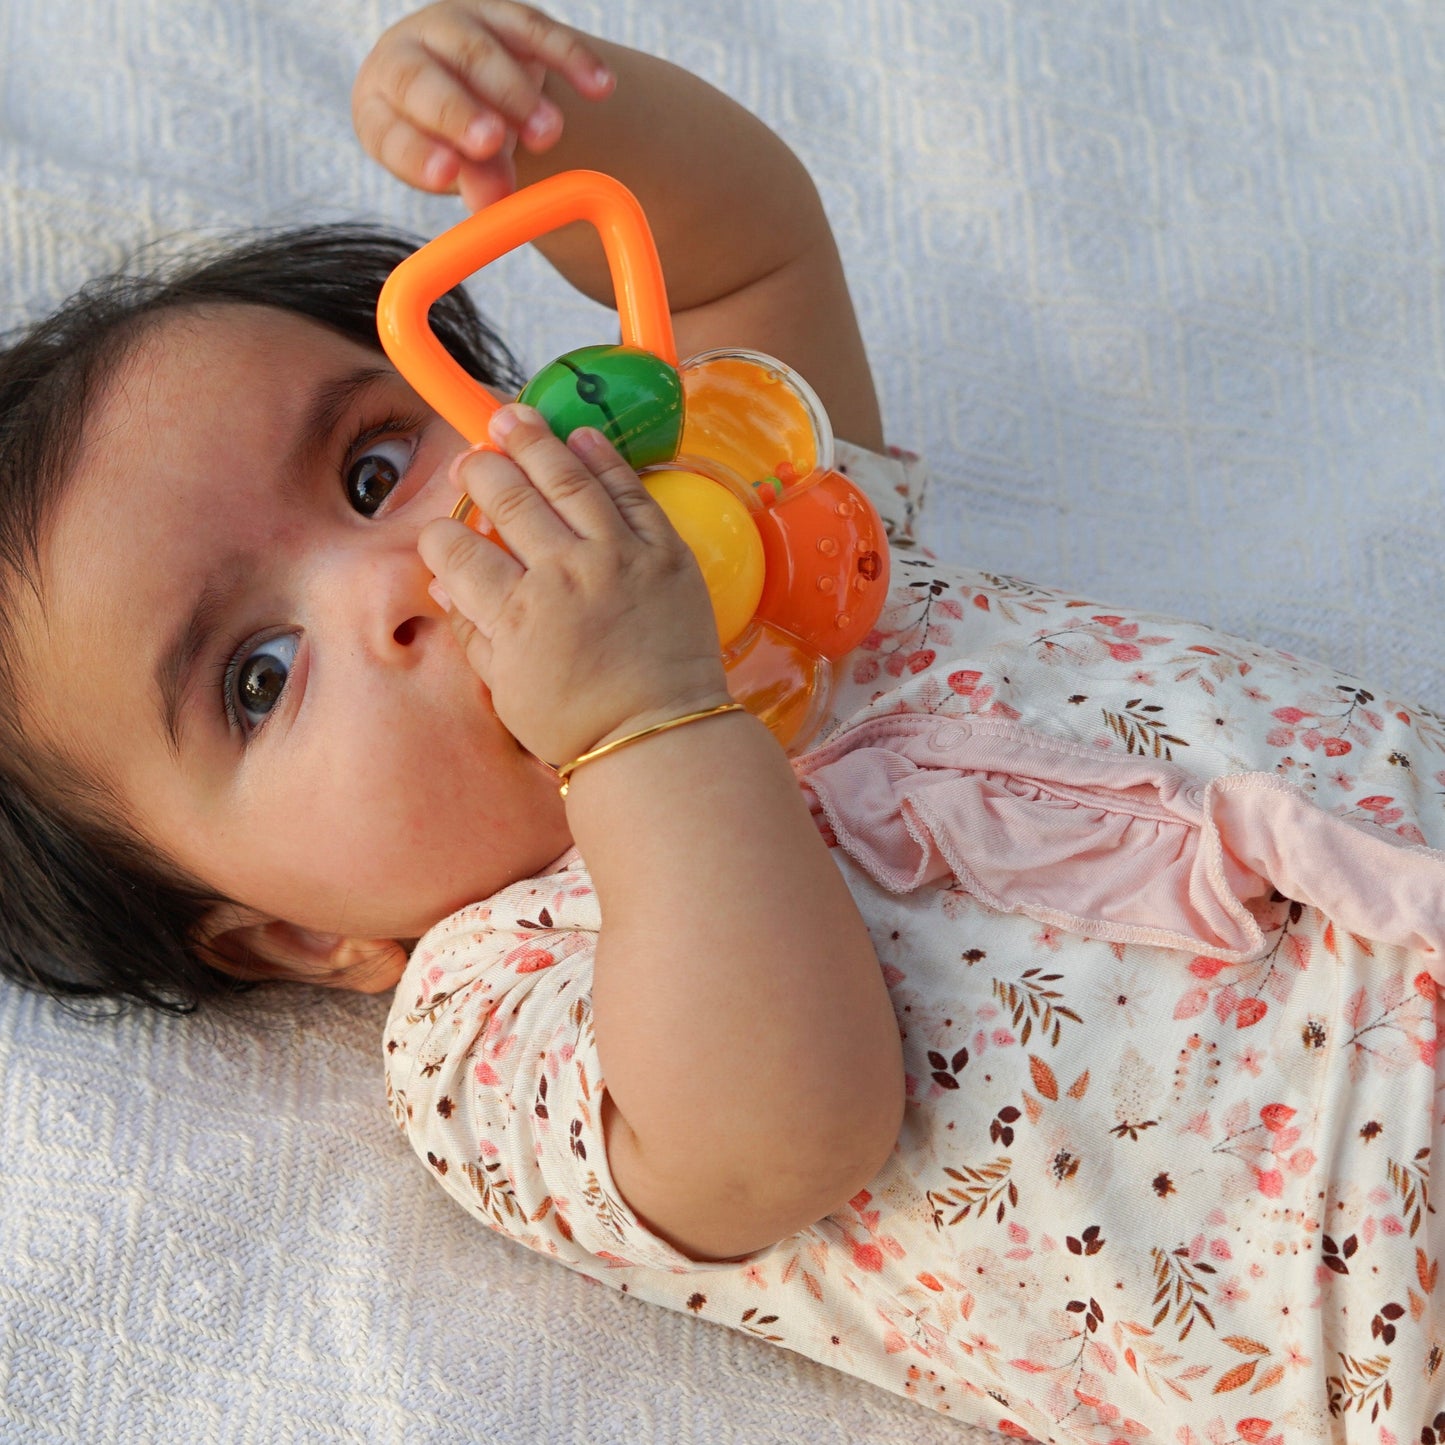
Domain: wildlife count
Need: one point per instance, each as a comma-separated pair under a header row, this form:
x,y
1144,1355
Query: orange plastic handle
x,y
406,299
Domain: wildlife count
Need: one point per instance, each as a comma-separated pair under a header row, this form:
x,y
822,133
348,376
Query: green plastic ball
x,y
631,396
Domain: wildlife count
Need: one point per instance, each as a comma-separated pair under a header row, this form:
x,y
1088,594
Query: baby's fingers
x,y
469,77
475,644
474,575
633,501
410,154
527,35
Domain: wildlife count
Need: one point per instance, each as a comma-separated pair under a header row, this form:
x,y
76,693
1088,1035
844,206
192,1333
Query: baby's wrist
x,y
681,705
639,731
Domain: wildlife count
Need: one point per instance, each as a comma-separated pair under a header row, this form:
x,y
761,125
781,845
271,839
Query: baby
x,y
1026,1047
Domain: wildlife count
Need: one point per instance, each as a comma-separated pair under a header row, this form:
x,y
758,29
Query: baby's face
x,y
236,635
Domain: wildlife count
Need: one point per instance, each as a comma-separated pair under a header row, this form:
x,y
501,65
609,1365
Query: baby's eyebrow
x,y
178,659
328,406
326,409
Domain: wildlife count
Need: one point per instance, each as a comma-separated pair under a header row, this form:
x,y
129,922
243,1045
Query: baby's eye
x,y
256,679
374,472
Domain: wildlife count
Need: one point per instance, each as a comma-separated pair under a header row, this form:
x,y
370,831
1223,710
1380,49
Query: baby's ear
x,y
250,946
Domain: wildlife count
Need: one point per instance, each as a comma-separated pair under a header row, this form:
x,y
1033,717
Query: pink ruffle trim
x,y
1130,850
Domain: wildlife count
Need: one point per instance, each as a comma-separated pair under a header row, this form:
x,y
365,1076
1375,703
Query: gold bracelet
x,y
565,771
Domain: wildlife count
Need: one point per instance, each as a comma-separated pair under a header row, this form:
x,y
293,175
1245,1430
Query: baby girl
x,y
1027,1046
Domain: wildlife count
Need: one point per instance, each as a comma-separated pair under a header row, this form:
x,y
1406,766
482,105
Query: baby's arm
x,y
752,1058
748,254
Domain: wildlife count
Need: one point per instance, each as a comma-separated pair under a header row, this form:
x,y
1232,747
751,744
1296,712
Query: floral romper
x,y
1171,1021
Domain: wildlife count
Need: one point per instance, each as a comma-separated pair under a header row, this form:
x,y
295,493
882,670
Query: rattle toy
x,y
733,445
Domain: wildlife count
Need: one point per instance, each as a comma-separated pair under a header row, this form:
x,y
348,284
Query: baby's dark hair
x,y
87,913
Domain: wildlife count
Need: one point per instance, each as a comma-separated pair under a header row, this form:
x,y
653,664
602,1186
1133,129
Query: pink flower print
x,y
865,670
964,682
1249,1011
1191,1002
866,1255
1232,1291
1383,807
1269,1182
1255,1431
528,958
1020,1238
1312,738
1276,1116
1204,967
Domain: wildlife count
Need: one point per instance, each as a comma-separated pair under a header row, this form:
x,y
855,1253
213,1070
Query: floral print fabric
x,y
1140,1193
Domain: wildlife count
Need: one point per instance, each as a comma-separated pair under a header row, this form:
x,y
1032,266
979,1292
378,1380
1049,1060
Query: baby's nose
x,y
378,594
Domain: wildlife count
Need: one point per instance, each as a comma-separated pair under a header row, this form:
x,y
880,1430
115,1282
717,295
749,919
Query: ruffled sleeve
x,y
493,1074
1129,849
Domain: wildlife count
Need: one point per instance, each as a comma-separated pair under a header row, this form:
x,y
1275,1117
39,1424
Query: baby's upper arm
x,y
802,314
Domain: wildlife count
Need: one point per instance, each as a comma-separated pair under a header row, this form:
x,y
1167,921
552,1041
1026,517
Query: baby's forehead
x,y
207,340
211,374
203,391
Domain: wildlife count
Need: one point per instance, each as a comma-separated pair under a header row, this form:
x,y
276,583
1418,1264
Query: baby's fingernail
x,y
542,122
601,76
454,472
439,595
483,134
438,168
588,440
509,418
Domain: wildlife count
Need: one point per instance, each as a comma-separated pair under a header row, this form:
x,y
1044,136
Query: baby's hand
x,y
445,94
596,621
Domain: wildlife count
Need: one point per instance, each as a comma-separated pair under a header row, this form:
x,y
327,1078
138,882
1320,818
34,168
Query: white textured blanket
x,y
1155,285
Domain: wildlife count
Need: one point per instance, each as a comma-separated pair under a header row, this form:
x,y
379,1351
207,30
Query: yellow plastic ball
x,y
715,524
